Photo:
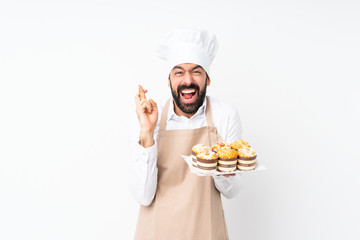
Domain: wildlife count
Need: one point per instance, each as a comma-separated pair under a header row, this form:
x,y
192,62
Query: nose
x,y
187,78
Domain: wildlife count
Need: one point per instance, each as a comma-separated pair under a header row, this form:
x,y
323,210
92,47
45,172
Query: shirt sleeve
x,y
143,173
229,187
234,127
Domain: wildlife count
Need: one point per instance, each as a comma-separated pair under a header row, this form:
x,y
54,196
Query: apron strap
x,y
208,113
164,116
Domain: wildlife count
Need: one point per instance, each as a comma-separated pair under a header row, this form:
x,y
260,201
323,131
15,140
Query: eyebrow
x,y
198,66
178,67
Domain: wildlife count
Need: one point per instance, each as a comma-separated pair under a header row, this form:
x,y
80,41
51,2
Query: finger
x,y
229,175
140,103
141,96
137,99
148,107
153,105
141,92
145,106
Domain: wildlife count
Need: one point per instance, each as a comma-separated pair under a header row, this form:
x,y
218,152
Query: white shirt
x,y
143,170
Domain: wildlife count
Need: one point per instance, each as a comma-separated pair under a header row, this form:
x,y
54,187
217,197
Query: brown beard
x,y
189,108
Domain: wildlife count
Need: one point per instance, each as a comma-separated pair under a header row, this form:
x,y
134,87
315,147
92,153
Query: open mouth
x,y
188,95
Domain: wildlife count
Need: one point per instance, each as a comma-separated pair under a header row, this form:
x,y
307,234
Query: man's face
x,y
188,84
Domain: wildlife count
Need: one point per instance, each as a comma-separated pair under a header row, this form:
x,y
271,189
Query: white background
x,y
69,71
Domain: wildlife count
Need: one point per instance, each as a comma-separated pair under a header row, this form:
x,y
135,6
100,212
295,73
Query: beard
x,y
189,108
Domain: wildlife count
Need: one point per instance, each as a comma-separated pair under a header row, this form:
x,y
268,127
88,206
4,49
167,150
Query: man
x,y
177,204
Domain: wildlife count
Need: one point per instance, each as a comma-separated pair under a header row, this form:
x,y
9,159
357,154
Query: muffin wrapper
x,y
247,158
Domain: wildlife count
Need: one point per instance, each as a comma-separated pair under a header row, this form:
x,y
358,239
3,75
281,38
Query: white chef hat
x,y
188,46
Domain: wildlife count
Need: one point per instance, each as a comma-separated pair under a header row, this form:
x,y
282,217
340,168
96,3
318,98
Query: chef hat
x,y
188,46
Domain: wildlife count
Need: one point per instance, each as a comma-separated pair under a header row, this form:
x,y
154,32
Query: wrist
x,y
146,139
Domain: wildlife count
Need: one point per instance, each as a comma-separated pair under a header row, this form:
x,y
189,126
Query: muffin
x,y
206,160
239,144
197,149
227,159
247,159
218,146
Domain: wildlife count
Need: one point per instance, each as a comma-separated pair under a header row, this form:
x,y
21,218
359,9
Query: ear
x,y
208,81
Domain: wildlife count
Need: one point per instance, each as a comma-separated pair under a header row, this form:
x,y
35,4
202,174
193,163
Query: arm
x,y
230,185
143,173
143,170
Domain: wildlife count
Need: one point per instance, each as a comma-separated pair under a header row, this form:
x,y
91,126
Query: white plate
x,y
195,170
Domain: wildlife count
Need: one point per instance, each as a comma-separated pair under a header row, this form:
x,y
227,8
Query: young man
x,y
177,204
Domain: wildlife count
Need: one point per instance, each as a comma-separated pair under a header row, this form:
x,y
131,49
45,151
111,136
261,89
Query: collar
x,y
172,115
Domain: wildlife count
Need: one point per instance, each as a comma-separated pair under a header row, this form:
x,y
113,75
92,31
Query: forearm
x,y
228,186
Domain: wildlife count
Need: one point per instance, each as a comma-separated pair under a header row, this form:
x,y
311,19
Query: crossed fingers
x,y
144,105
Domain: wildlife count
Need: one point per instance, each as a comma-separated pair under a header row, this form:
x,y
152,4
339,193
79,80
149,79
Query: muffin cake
x,y
218,146
239,144
197,149
206,160
247,159
227,159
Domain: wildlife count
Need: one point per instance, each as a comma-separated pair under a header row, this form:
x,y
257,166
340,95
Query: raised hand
x,y
147,113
